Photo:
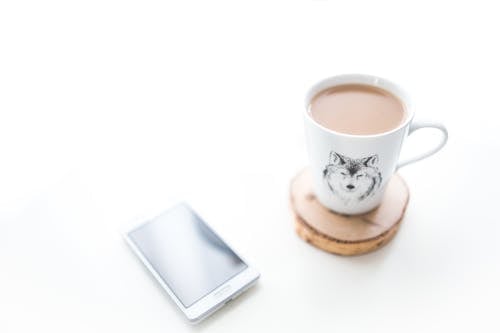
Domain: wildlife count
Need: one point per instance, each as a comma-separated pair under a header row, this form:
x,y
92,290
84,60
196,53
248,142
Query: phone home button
x,y
226,289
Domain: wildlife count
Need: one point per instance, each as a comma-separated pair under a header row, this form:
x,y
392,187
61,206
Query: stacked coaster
x,y
344,234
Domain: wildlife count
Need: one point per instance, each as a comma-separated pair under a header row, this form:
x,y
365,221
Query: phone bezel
x,y
213,300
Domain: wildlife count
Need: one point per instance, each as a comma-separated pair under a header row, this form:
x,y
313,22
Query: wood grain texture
x,y
343,234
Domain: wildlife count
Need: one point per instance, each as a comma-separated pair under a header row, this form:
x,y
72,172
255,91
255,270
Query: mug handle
x,y
418,125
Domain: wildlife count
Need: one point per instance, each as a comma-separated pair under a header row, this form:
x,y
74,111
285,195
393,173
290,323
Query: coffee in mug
x,y
357,109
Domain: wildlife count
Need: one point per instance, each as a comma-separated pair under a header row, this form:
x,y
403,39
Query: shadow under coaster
x,y
347,234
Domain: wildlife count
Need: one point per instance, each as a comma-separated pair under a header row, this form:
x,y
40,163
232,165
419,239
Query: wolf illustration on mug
x,y
352,179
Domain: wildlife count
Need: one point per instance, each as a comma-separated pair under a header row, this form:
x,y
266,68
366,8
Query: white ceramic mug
x,y
376,155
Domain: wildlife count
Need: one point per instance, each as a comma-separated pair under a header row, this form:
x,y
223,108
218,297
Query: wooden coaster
x,y
343,234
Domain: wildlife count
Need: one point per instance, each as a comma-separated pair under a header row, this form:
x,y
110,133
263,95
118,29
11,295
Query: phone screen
x,y
189,257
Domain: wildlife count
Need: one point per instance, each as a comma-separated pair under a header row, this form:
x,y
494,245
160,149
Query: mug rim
x,y
366,79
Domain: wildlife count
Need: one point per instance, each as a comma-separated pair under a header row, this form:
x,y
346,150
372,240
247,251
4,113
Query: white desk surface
x,y
109,109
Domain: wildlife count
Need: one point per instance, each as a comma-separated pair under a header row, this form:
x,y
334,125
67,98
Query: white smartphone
x,y
191,262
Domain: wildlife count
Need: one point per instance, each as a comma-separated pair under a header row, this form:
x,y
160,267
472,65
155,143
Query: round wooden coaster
x,y
344,234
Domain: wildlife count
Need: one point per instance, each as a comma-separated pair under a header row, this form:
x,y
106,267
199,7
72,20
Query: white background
x,y
108,109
